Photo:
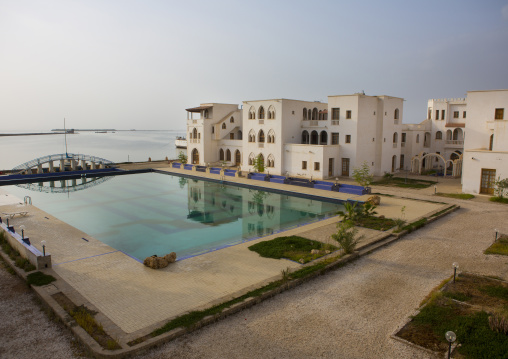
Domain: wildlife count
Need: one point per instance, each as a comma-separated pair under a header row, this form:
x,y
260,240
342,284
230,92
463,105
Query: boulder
x,y
155,262
374,200
315,251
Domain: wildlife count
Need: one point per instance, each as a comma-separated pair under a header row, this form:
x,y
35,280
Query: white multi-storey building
x,y
318,140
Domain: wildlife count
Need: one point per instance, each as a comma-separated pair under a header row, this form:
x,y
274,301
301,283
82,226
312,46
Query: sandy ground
x,y
349,313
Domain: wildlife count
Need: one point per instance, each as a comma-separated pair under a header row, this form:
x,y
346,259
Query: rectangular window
x,y
464,114
335,113
437,114
403,137
442,114
335,138
499,113
401,165
348,114
316,166
348,138
304,165
455,114
231,136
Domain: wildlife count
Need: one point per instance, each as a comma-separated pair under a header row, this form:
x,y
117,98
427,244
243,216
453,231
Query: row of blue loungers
x,y
329,186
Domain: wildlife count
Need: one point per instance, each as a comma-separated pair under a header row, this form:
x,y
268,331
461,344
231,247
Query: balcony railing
x,y
335,122
195,140
261,122
402,144
395,145
454,142
261,145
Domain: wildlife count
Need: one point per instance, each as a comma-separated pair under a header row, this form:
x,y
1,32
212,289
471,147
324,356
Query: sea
x,y
117,146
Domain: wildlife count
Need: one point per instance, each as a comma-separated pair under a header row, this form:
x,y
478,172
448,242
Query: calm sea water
x,y
120,146
146,214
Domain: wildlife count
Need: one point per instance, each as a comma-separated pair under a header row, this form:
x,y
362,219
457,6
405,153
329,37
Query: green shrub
x,y
497,291
346,236
499,199
293,247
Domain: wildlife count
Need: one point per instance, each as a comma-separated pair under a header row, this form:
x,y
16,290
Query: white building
x,y
486,143
318,140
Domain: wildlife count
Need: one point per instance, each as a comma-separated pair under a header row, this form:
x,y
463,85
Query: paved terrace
x,y
133,300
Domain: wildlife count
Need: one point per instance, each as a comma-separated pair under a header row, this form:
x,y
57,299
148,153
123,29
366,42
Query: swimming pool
x,y
151,213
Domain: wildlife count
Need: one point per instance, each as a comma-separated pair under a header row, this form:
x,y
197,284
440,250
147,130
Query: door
x,y
345,167
238,158
330,167
488,179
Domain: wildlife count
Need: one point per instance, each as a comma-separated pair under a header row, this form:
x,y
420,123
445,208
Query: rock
x,y
301,260
155,262
381,216
327,251
374,200
315,251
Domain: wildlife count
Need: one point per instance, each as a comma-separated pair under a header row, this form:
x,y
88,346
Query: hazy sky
x,y
138,64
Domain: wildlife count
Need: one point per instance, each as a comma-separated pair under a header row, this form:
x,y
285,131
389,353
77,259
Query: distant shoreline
x,y
31,134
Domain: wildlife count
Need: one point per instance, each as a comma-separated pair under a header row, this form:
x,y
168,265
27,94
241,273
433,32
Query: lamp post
x,y
22,227
336,181
43,243
496,235
455,266
435,189
451,337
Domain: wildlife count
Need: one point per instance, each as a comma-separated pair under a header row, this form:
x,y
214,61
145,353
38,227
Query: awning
x,y
198,109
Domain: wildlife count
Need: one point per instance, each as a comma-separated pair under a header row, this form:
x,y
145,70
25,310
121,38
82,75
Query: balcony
x,y
402,144
261,145
335,122
395,145
195,140
455,142
261,122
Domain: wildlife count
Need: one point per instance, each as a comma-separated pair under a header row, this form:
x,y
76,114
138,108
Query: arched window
x,y
221,155
224,125
439,135
205,114
231,120
270,162
305,138
194,133
271,137
261,136
252,136
491,142
252,113
314,114
261,113
396,114
238,158
395,137
251,159
304,113
314,138
309,114
239,135
261,160
418,138
457,134
323,140
449,135
228,155
271,113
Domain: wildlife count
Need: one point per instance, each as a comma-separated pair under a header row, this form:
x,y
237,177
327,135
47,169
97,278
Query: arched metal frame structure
x,y
66,157
417,163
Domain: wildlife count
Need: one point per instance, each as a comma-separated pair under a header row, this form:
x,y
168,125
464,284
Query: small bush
x,y
38,279
499,323
499,199
456,195
497,291
346,236
293,247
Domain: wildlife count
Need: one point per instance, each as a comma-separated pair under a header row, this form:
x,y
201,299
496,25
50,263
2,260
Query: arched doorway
x,y
305,137
323,138
314,138
394,163
238,158
195,157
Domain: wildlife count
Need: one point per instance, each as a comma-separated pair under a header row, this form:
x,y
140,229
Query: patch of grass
x,y
412,226
38,279
499,199
461,297
14,255
404,183
295,248
372,222
443,211
456,195
497,291
498,247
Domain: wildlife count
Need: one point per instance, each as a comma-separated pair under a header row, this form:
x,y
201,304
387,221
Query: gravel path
x,y
348,313
25,330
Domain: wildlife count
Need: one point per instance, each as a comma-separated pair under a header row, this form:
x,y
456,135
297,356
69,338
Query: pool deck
x,y
133,300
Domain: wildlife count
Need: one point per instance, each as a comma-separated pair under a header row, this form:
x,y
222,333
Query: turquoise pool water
x,y
146,214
